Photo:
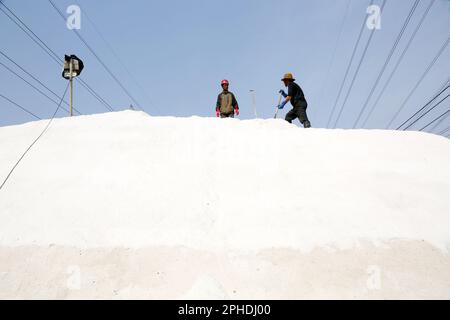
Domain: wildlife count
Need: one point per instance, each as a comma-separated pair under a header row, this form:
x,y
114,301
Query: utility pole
x,y
71,85
71,69
253,93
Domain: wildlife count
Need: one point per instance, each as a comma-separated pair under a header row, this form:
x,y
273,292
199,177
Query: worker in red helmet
x,y
226,106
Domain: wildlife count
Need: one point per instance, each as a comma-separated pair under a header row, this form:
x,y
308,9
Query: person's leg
x,y
303,117
291,115
227,115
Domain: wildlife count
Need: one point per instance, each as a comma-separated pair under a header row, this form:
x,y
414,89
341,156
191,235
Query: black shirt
x,y
297,96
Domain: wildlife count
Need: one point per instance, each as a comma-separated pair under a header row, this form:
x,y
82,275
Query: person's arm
x,y
282,93
286,96
289,96
286,100
218,106
291,93
235,105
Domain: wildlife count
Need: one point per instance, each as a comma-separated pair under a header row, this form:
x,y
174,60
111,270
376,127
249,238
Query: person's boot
x,y
306,124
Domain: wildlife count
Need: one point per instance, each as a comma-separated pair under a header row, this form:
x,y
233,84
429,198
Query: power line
x,y
445,113
97,57
410,125
50,52
333,56
437,124
400,59
34,78
114,53
426,105
94,94
19,106
441,50
357,70
23,26
442,88
444,131
55,57
386,62
35,140
30,84
348,68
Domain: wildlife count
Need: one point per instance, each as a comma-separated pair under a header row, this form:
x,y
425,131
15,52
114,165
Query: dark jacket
x,y
226,102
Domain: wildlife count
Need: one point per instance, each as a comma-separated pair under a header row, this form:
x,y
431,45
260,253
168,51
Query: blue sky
x,y
178,51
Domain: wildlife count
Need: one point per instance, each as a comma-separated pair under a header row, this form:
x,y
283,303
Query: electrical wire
x,y
426,105
30,84
108,70
444,131
399,61
430,66
35,140
437,124
414,122
386,62
441,120
19,106
35,79
445,113
55,57
114,53
333,56
357,70
348,68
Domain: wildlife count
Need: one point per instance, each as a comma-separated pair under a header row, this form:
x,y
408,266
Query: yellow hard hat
x,y
288,76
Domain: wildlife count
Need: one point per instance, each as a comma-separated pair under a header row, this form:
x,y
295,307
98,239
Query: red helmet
x,y
224,82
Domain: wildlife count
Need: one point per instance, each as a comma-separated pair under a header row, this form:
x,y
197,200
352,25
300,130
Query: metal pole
x,y
71,87
276,111
254,102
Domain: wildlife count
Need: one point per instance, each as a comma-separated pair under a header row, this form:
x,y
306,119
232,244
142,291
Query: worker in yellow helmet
x,y
297,98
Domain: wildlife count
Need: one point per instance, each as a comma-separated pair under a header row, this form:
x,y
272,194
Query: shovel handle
x,y
276,111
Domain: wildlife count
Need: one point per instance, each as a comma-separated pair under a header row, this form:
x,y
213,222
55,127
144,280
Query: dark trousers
x,y
298,112
227,115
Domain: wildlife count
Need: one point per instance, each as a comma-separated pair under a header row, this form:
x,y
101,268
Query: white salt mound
x,y
126,205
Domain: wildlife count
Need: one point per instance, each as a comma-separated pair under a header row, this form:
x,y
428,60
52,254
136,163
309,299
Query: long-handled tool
x,y
276,111
253,93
